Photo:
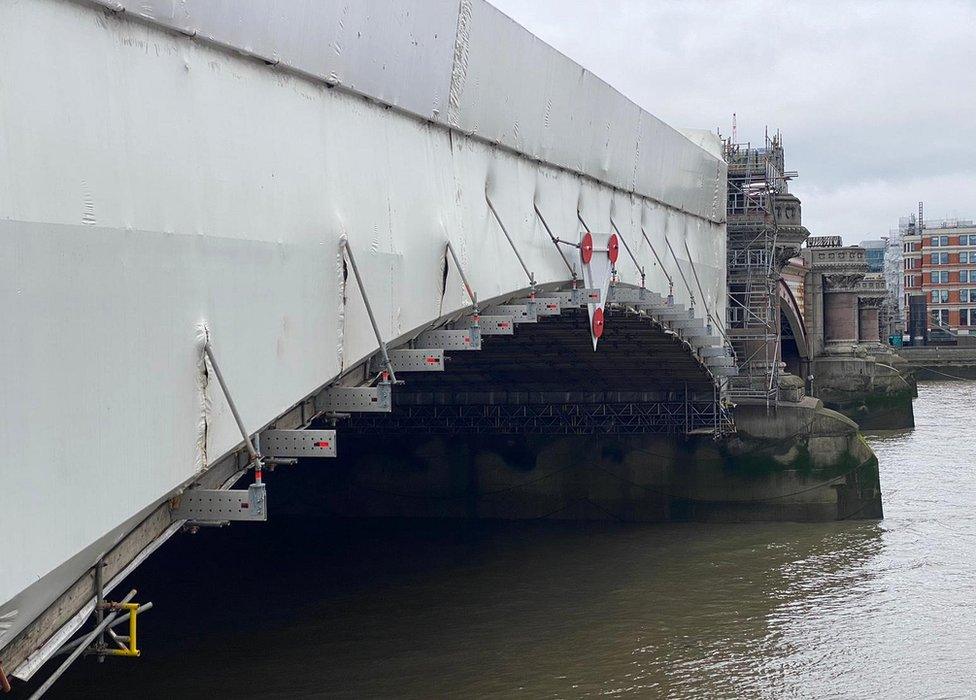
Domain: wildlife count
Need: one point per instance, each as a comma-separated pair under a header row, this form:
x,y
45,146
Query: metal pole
x,y
118,621
99,606
629,252
80,650
680,271
255,455
656,256
510,242
556,241
467,287
369,310
686,408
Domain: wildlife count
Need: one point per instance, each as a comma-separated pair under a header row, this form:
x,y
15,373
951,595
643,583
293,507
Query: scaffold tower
x,y
764,232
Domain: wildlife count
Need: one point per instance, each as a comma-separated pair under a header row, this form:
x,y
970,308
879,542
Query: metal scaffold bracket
x,y
298,443
544,306
712,351
215,506
574,298
469,339
634,297
520,313
418,360
671,313
356,399
497,325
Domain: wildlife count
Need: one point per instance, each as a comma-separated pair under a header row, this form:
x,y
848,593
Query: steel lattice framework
x,y
620,418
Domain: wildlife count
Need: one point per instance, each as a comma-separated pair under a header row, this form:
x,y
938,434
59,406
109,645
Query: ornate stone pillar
x,y
841,309
868,321
872,292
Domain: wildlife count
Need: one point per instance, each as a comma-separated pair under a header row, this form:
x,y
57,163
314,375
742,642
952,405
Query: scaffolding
x,y
756,178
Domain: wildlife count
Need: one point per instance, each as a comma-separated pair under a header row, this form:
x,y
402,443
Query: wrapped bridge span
x,y
174,173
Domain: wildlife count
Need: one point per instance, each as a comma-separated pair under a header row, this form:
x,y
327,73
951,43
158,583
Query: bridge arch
x,y
794,346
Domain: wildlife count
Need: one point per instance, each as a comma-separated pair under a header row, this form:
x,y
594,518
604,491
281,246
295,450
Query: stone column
x,y
868,323
840,316
841,309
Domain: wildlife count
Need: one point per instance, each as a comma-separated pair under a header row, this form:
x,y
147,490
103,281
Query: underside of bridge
x,y
539,425
547,379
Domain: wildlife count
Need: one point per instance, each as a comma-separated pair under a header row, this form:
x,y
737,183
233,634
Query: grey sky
x,y
876,101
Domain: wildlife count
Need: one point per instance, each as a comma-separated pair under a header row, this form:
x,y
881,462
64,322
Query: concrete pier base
x,y
876,391
801,463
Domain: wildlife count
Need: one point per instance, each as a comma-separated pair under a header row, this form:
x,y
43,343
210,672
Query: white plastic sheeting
x,y
154,182
465,64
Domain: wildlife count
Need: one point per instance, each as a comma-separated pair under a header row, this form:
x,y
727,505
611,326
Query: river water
x,y
409,609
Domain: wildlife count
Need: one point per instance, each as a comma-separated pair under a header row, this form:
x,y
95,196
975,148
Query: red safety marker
x,y
598,323
322,443
613,248
586,247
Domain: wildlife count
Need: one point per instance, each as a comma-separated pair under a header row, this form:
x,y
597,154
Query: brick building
x,y
943,272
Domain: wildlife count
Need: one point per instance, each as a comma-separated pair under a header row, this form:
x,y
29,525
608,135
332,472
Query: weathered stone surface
x,y
867,389
802,462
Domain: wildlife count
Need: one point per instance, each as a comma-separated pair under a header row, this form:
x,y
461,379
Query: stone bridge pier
x,y
853,371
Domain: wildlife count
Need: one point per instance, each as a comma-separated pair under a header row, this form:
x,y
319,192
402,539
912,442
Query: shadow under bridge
x,y
547,378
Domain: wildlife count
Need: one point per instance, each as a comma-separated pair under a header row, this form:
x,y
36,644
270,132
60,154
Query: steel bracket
x,y
633,297
417,360
487,325
544,306
469,339
356,399
668,313
298,443
497,325
574,298
214,505
520,313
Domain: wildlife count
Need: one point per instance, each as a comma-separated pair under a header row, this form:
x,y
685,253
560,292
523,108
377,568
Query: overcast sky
x,y
876,101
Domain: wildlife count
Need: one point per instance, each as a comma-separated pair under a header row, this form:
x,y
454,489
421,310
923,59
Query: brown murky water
x,y
409,609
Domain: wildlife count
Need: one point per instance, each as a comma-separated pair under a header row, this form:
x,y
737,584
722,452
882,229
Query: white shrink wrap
x,y
159,182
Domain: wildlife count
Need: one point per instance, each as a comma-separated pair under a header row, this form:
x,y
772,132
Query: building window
x,y
940,296
967,317
944,240
940,317
943,258
964,257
